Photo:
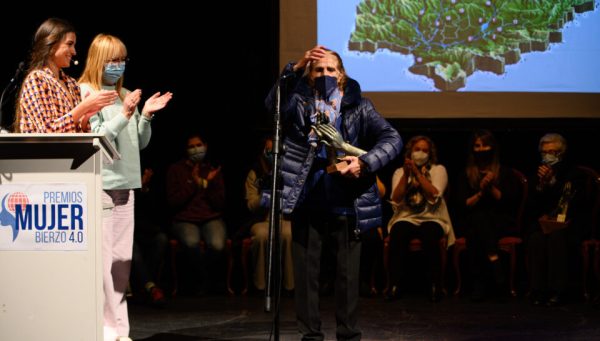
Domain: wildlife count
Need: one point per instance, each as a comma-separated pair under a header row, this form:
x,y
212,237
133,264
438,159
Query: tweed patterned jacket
x,y
46,105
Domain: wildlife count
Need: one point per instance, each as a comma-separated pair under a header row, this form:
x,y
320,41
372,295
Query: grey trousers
x,y
308,233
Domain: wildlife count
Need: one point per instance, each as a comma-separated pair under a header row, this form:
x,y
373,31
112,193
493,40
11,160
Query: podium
x,y
51,236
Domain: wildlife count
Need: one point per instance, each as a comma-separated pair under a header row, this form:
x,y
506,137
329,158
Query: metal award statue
x,y
335,144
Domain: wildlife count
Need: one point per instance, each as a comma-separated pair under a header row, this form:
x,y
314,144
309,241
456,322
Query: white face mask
x,y
550,159
197,154
420,157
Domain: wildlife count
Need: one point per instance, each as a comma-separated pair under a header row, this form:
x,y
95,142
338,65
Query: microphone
x,y
18,72
75,62
8,89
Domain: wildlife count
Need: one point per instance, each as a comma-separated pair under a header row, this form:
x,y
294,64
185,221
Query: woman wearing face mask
x,y
258,200
419,212
486,200
130,132
196,193
50,101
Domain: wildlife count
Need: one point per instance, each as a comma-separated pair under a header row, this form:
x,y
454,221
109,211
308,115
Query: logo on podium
x,y
43,217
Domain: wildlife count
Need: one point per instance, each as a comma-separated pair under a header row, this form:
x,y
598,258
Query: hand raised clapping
x,y
130,102
410,167
487,180
156,103
545,173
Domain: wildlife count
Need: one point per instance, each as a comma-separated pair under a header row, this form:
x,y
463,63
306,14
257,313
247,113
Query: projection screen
x,y
458,58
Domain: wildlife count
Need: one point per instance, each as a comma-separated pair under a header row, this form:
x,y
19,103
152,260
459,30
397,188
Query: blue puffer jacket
x,y
362,127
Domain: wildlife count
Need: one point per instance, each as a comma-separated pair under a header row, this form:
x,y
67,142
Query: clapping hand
x,y
94,102
156,103
545,173
91,104
131,101
487,180
213,173
410,167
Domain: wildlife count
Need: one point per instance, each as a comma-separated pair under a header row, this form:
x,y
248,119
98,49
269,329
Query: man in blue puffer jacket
x,y
338,205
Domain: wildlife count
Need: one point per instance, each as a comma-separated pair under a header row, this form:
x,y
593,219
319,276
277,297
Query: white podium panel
x,y
51,236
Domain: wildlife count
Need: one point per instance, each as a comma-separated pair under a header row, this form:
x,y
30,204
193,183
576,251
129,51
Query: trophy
x,y
334,143
558,218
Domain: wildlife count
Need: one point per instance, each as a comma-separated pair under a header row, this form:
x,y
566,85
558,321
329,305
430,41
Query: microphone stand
x,y
273,289
8,89
2,130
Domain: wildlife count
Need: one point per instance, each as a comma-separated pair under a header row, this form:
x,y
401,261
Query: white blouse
x,y
435,211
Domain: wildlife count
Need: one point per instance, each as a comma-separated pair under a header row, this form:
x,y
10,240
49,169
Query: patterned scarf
x,y
331,110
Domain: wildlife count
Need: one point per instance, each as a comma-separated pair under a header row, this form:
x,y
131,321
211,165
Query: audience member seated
x,y
258,199
487,202
149,242
552,221
419,212
196,193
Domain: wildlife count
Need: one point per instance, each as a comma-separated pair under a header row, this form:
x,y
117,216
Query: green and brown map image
x,y
451,39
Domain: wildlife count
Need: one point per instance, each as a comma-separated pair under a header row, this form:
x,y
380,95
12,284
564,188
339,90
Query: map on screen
x,y
466,45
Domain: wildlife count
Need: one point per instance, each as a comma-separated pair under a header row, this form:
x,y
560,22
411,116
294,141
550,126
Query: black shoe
x,y
436,293
365,290
537,298
555,301
392,294
537,302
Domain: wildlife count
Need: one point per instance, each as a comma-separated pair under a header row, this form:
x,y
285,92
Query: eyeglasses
x,y
117,60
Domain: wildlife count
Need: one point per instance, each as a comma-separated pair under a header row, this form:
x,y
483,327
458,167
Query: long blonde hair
x,y
104,47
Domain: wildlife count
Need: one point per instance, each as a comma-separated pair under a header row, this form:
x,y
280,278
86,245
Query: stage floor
x,y
411,318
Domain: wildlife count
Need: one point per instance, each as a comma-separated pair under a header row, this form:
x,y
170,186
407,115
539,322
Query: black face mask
x,y
268,153
483,157
325,85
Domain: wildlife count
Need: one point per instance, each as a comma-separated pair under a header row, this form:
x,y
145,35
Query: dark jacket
x,y
190,202
544,200
502,212
362,127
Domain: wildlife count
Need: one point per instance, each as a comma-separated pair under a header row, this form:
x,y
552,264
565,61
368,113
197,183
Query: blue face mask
x,y
325,85
112,73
